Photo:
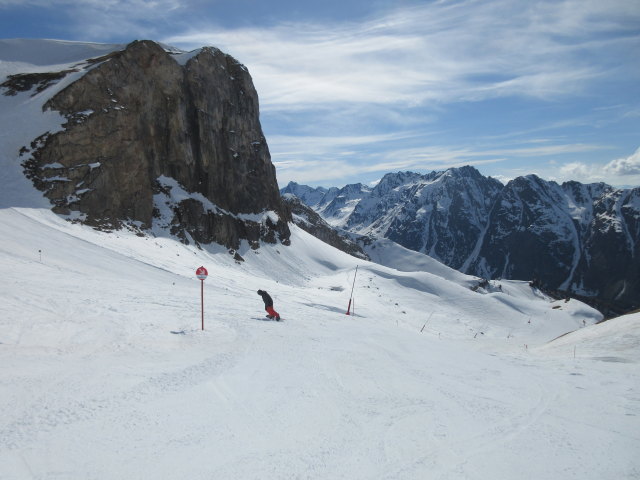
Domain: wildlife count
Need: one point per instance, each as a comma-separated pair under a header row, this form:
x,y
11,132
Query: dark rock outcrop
x,y
149,139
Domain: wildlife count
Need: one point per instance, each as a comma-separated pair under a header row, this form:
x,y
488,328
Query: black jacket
x,y
266,298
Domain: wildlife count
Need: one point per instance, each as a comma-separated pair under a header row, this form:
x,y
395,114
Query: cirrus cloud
x,y
432,53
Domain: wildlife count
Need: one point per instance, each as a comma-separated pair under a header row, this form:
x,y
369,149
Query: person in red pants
x,y
268,305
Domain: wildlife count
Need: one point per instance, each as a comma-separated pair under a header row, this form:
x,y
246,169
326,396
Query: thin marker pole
x,y
352,287
202,301
202,273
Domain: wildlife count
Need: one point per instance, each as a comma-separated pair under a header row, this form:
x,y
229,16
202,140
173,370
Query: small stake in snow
x,y
202,273
425,323
351,297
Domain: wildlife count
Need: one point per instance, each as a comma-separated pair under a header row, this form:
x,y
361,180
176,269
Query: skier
x,y
268,305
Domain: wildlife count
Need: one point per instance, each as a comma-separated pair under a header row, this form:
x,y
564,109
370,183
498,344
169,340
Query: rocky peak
x,y
163,140
393,180
357,188
308,195
338,205
307,219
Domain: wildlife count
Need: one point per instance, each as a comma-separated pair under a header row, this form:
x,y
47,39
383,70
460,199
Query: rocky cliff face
x,y
572,238
162,140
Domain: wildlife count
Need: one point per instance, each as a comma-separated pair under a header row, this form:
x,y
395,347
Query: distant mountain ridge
x,y
574,238
310,221
334,204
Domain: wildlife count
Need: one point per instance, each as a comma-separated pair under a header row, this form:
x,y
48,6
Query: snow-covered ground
x,y
427,380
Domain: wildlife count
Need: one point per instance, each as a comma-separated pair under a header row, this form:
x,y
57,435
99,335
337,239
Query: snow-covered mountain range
x,y
574,238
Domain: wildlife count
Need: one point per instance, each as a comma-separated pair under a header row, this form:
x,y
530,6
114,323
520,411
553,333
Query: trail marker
x,y
202,274
351,297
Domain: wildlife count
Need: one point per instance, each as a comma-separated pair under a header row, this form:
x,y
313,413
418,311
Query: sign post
x,y
202,273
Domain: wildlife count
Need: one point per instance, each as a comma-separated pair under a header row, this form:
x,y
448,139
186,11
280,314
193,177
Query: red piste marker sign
x,y
202,274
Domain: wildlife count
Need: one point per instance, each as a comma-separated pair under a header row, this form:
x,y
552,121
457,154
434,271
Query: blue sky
x,y
352,89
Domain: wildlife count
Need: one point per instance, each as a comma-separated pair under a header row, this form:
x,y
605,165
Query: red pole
x,y
202,301
202,273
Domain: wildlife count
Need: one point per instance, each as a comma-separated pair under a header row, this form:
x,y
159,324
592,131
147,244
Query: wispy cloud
x,y
323,159
432,53
132,7
106,20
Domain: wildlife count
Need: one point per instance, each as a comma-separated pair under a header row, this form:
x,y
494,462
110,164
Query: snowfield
x,y
105,371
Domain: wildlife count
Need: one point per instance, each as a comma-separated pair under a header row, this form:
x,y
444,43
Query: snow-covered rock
x,y
96,134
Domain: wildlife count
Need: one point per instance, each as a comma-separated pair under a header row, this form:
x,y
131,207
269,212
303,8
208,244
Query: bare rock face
x,y
150,141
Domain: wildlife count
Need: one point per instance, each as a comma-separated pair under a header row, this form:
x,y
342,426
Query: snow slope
x,y
426,380
394,255
618,338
